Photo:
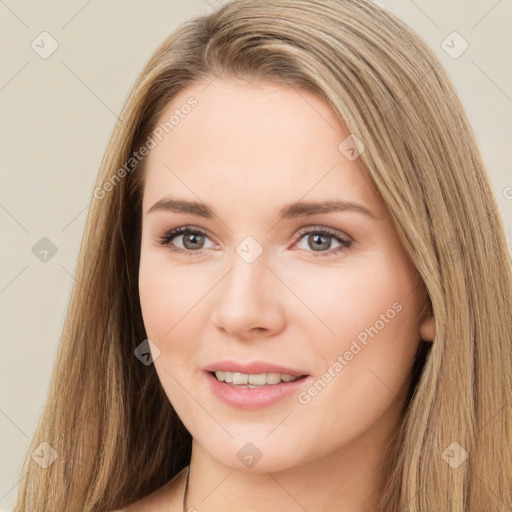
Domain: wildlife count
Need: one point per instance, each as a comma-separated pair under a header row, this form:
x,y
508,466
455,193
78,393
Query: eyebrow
x,y
299,209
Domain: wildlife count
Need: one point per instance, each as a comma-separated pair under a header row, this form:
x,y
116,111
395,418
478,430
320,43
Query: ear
x,y
428,327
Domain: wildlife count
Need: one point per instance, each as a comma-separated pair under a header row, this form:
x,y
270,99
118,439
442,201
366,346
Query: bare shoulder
x,y
168,498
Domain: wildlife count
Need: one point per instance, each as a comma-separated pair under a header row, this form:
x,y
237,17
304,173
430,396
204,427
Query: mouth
x,y
254,380
254,391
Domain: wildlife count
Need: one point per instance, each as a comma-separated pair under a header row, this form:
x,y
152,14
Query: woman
x,y
294,287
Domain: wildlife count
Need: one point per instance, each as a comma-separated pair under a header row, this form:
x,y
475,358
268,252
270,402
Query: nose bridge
x,y
247,279
247,297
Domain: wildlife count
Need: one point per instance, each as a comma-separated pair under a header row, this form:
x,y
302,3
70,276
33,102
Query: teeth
x,y
240,378
253,380
259,380
270,378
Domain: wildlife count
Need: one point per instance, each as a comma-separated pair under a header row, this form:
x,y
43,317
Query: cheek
x,y
345,302
167,301
154,293
170,300
163,291
362,372
368,316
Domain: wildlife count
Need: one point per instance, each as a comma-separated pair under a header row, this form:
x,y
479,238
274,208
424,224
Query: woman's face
x,y
267,275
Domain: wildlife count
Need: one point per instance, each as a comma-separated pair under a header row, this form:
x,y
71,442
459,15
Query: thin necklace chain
x,y
186,489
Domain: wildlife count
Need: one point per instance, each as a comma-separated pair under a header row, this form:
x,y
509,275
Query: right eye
x,y
190,237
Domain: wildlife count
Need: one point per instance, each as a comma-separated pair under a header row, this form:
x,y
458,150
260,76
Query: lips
x,y
255,367
254,397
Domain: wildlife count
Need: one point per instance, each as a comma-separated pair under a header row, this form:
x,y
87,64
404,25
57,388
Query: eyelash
x,y
166,239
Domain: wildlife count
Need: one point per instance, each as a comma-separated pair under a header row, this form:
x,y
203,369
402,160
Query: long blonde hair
x,y
116,434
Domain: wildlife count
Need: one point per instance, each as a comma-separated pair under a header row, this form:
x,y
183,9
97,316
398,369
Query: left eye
x,y
193,241
320,239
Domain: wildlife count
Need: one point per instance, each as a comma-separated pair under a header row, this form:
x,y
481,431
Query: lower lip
x,y
254,398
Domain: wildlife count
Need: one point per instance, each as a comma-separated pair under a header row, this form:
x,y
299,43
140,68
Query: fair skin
x,y
247,150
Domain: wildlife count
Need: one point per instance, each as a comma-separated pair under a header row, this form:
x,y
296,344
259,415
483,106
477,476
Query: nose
x,y
248,300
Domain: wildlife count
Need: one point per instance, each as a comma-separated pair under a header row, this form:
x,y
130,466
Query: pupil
x,y
192,238
317,239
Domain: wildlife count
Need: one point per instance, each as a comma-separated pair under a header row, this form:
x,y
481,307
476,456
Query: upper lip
x,y
253,368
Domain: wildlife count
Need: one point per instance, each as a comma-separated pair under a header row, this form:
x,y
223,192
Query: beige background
x,y
58,113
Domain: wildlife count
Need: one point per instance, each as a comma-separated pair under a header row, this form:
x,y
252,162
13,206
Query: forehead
x,y
252,140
